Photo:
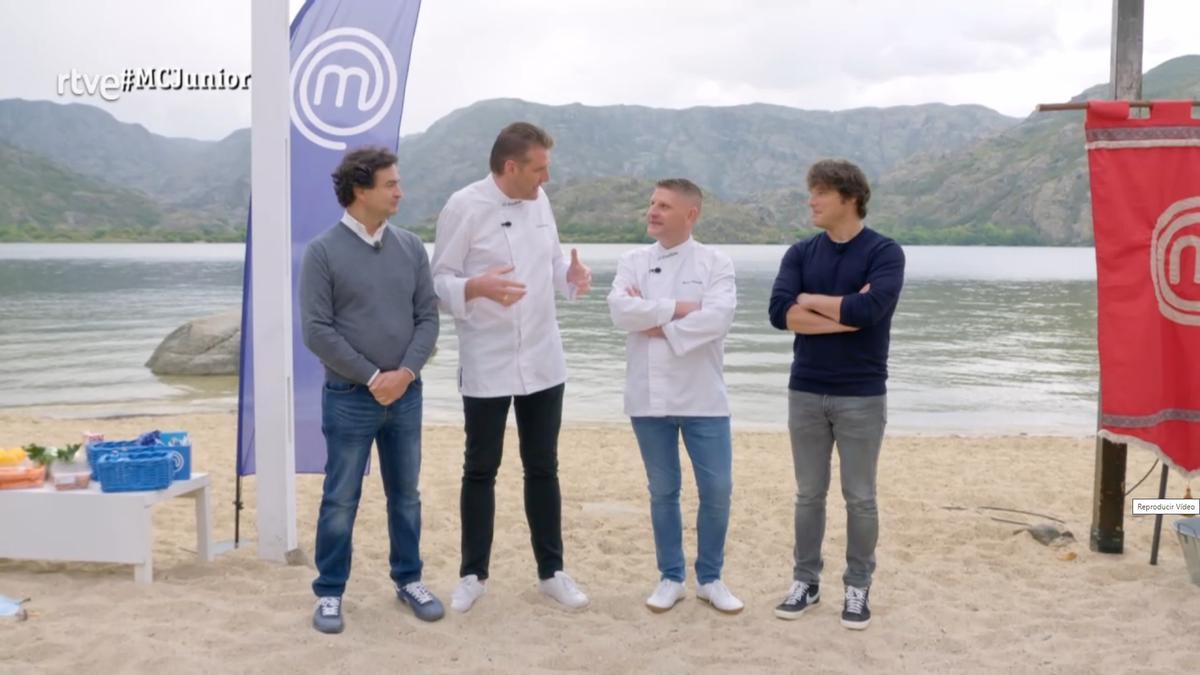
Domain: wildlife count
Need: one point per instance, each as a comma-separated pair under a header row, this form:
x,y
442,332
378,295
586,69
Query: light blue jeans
x,y
710,447
856,424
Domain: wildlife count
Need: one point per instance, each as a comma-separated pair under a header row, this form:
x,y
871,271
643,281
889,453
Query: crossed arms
x,y
684,325
815,314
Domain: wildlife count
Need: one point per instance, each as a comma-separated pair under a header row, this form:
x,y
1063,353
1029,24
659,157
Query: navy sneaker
x,y
424,605
327,616
856,613
798,600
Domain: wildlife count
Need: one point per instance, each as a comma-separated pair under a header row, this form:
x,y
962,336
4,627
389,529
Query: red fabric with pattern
x,y
1145,180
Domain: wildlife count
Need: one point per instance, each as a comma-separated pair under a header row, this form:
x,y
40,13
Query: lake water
x,y
985,340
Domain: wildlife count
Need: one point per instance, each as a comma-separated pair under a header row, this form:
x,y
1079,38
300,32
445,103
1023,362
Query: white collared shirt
x,y
684,373
502,351
361,230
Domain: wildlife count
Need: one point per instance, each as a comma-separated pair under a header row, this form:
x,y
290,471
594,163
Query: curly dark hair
x,y
849,181
358,169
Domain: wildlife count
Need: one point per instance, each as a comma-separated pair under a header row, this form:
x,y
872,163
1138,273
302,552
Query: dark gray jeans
x,y
856,424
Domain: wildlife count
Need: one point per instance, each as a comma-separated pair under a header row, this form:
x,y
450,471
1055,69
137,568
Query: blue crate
x,y
180,446
135,471
100,449
176,442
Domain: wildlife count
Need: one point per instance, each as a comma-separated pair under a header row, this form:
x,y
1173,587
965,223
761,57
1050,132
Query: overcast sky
x,y
1006,54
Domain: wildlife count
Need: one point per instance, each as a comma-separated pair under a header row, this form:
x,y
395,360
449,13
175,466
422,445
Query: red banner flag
x,y
1145,177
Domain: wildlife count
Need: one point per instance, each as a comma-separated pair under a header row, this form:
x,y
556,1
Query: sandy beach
x,y
955,591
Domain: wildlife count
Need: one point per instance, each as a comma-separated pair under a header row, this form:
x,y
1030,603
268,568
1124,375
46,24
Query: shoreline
x,y
157,408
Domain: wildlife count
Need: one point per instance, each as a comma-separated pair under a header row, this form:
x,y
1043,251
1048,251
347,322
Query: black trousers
x,y
539,416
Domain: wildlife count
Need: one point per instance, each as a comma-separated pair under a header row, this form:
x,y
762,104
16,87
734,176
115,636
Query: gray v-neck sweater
x,y
363,308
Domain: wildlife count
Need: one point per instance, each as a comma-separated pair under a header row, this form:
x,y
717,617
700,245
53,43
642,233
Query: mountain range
x,y
940,174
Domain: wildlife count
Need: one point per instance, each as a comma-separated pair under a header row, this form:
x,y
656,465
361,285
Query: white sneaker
x,y
665,596
717,594
562,589
468,591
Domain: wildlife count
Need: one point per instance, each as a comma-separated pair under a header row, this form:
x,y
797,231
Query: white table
x,y
94,526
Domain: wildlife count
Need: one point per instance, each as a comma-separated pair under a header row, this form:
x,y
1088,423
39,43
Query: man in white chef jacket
x,y
676,299
497,264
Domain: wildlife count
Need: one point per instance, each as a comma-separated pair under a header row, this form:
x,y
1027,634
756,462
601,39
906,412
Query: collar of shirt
x,y
361,230
492,189
660,253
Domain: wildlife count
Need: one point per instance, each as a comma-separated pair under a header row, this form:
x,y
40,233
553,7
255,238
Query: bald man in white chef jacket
x,y
676,299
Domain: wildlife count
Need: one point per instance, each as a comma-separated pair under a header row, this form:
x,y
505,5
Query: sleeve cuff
x,y
459,307
371,380
671,332
848,313
665,312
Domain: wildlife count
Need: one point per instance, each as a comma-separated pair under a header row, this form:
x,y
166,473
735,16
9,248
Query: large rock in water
x,y
206,346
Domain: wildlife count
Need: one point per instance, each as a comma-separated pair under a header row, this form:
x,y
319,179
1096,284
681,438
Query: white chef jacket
x,y
682,374
502,351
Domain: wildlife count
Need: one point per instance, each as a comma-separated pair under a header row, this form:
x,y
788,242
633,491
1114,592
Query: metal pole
x,y
1108,513
271,249
237,514
1162,494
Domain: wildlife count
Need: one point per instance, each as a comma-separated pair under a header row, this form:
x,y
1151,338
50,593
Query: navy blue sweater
x,y
842,364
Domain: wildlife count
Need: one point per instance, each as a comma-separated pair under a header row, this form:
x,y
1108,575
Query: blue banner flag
x,y
349,66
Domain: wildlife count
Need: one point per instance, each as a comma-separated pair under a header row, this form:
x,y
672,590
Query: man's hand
x,y
494,286
656,332
389,386
579,275
633,292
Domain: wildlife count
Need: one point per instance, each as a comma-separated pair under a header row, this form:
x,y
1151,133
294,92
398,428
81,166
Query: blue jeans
x,y
708,443
351,419
855,424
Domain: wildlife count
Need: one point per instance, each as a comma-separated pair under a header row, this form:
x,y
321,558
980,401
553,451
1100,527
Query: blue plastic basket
x,y
177,442
135,471
180,445
100,449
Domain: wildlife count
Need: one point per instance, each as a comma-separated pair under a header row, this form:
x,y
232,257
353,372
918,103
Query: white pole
x,y
270,187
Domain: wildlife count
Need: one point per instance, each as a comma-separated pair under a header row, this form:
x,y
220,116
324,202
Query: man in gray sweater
x,y
369,313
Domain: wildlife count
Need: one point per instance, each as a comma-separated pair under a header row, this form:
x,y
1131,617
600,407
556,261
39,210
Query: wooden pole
x,y
1126,67
1082,105
1108,513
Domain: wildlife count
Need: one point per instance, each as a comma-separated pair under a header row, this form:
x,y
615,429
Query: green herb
x,y
67,454
38,454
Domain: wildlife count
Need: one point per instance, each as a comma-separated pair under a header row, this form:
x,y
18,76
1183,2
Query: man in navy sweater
x,y
837,292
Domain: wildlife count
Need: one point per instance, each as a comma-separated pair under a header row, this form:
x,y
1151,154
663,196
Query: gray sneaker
x,y
327,616
424,605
